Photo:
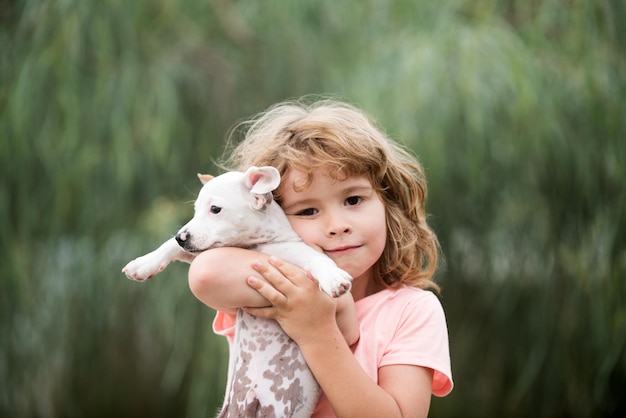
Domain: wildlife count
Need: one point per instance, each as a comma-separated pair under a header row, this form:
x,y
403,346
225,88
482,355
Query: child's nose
x,y
337,225
346,230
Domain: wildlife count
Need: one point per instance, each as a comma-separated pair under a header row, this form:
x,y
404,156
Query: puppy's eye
x,y
215,209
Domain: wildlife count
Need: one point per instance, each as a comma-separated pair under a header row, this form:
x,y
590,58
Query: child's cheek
x,y
307,231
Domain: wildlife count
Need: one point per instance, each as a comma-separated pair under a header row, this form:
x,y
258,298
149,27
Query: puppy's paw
x,y
332,280
144,267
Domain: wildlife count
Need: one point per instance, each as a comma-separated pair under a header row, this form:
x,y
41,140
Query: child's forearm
x,y
349,389
218,277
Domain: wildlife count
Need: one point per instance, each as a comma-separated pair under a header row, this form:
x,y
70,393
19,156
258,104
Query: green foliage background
x,y
108,108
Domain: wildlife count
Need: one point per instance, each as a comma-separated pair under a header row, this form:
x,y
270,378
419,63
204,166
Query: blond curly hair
x,y
341,139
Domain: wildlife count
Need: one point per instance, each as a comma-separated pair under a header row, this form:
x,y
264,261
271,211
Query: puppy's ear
x,y
260,201
261,180
205,178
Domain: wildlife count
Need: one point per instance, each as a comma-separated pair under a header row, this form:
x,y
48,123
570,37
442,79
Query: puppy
x,y
267,374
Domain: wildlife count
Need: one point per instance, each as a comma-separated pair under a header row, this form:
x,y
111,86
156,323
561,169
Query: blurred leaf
x,y
108,109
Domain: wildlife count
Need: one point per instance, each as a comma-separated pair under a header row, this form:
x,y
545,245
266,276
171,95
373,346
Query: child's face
x,y
345,219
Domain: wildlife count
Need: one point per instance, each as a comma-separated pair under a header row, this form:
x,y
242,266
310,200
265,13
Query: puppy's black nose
x,y
181,238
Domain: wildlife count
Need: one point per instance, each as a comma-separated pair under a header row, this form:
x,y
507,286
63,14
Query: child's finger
x,y
283,280
274,296
295,274
268,313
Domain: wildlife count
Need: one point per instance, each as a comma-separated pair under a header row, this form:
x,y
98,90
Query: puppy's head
x,y
230,208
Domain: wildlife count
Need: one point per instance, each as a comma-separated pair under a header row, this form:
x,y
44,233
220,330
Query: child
x,y
357,196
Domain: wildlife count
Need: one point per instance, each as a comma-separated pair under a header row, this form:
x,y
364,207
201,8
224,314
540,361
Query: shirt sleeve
x,y
421,339
224,324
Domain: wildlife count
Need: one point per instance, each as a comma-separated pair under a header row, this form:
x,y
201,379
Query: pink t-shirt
x,y
398,326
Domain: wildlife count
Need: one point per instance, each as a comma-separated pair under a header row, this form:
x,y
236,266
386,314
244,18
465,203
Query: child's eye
x,y
353,200
307,212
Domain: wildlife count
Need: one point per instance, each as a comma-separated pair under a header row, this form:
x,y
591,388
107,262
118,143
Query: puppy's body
x,y
267,373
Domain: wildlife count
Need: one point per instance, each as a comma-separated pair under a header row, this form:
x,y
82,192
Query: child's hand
x,y
302,310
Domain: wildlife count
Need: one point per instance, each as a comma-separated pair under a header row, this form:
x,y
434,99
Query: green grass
x,y
108,109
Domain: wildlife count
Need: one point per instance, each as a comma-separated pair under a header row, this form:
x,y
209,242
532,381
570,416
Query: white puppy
x,y
267,373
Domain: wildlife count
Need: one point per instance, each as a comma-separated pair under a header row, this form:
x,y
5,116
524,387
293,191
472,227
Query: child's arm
x,y
346,317
218,278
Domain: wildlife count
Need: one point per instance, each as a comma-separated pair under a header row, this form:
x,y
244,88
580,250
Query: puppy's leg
x,y
332,280
149,265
